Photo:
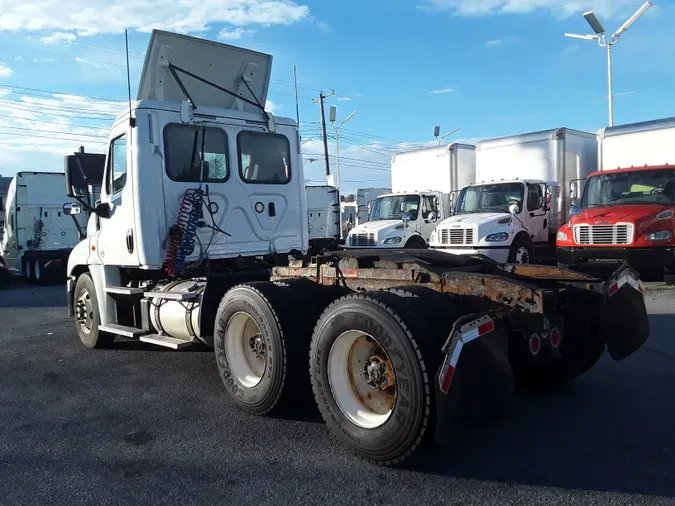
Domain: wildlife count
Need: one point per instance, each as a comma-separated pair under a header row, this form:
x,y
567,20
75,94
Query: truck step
x,y
121,330
166,341
123,290
179,296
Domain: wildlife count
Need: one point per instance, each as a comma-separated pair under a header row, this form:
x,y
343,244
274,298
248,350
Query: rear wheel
x,y
87,316
371,375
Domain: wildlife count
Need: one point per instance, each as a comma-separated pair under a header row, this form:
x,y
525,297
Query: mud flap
x,y
623,319
475,383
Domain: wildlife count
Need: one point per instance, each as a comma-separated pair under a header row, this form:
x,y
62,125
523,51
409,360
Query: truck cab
x,y
399,220
623,214
504,220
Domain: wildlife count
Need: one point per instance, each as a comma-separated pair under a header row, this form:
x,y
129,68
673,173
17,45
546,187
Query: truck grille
x,y
456,236
621,233
362,240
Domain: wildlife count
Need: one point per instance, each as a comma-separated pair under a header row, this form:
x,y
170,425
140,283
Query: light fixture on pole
x,y
437,134
604,41
333,116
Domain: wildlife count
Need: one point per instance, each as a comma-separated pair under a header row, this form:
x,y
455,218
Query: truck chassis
x,y
402,343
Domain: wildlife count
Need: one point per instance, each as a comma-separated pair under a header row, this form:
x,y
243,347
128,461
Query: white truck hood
x,y
375,226
472,220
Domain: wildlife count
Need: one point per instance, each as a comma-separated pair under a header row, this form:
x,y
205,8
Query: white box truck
x,y
323,217
218,255
38,236
513,213
626,210
423,184
365,198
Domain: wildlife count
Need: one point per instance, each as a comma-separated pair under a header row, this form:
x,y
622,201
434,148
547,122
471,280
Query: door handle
x,y
272,210
130,240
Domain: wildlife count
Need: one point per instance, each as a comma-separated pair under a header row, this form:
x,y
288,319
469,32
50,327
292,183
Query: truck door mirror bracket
x,y
102,210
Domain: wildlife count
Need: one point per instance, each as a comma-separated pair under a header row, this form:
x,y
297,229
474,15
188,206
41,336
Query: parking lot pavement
x,y
137,424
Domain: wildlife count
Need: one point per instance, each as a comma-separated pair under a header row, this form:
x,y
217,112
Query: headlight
x,y
663,235
561,236
393,240
499,237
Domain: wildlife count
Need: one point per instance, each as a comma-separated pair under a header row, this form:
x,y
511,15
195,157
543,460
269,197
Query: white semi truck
x,y
424,183
512,215
365,198
201,235
323,218
38,236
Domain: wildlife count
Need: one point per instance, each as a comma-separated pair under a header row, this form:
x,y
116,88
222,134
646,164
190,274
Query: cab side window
x,y
116,178
430,205
535,197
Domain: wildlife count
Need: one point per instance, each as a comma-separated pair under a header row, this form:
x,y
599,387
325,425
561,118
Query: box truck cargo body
x,y
626,210
519,202
365,198
323,216
423,185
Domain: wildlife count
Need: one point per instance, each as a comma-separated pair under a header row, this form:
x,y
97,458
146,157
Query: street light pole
x,y
333,115
602,39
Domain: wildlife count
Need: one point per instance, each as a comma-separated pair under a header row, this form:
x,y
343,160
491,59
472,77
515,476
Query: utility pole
x,y
321,99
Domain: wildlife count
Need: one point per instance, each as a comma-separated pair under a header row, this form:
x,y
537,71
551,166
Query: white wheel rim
x,y
349,359
245,350
84,311
522,255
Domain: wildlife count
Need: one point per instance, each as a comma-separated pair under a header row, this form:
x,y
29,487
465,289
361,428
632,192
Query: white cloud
x,y
18,58
558,8
494,42
113,16
570,49
271,107
324,27
441,91
5,71
43,60
58,37
344,99
236,34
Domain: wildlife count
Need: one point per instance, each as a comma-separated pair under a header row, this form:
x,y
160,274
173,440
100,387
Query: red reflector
x,y
555,337
448,379
535,344
486,327
613,289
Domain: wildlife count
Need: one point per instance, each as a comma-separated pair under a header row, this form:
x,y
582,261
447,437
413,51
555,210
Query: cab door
x,y
117,241
430,214
538,218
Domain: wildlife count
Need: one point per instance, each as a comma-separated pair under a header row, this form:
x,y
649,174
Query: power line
x,y
98,129
51,137
51,107
52,93
60,132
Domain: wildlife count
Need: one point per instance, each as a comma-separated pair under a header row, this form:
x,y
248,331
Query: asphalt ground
x,y
138,424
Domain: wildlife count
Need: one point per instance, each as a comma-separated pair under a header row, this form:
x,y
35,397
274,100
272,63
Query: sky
x,y
488,67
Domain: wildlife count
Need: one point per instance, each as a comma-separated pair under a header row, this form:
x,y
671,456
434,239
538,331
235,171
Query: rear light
x,y
535,344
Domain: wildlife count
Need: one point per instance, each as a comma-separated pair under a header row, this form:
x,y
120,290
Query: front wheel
x,y
371,383
87,315
416,242
521,252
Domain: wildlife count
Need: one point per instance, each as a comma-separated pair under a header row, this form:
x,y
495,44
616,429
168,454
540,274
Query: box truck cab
x,y
501,220
323,218
407,216
365,198
626,209
513,214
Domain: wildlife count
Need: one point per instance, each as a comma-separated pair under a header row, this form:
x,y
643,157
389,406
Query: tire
x,y
272,314
522,251
87,314
402,333
669,278
416,242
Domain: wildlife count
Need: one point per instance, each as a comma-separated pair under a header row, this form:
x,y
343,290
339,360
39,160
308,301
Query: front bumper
x,y
499,254
639,258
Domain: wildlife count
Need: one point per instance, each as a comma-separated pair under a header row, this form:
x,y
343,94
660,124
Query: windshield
x,y
490,198
395,206
640,187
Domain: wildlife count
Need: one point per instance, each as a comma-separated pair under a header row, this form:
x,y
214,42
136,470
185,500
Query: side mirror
x,y
72,208
513,208
432,216
406,219
102,210
575,208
